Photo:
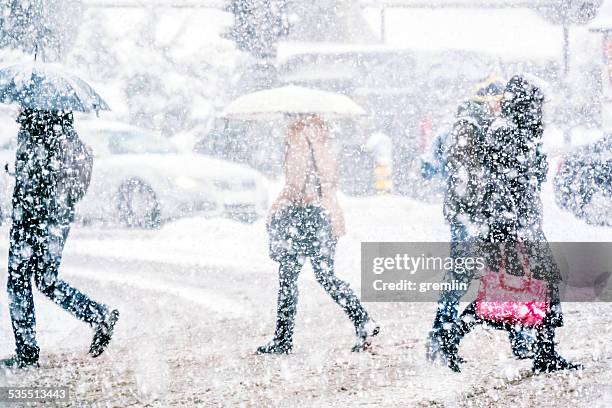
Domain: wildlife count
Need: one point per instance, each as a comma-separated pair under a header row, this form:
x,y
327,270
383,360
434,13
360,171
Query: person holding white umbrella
x,y
306,221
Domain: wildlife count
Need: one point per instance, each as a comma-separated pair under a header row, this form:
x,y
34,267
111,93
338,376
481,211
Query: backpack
x,y
76,167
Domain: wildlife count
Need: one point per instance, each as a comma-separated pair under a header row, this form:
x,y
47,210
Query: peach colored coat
x,y
301,187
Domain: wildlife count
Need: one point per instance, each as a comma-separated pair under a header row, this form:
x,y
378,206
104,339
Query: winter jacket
x,y
44,171
515,164
515,168
464,167
310,174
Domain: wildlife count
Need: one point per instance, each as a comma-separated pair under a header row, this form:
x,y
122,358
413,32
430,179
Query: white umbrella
x,y
276,103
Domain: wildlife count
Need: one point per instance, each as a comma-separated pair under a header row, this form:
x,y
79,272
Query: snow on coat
x,y
515,169
464,166
52,169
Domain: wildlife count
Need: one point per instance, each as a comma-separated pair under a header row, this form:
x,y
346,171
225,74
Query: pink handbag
x,y
516,300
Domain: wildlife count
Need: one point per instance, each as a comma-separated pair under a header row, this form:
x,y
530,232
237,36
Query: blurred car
x,y
258,144
583,183
140,180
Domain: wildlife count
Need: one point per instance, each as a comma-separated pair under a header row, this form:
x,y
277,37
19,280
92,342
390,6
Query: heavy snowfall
x,y
192,113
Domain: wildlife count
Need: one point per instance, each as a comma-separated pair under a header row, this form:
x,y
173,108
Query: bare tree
x,y
47,27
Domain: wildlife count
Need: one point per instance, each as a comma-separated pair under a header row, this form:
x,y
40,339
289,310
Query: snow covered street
x,y
167,166
198,296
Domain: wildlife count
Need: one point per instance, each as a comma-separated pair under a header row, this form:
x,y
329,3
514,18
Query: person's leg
x,y
99,316
546,359
60,292
450,338
449,299
467,321
339,290
441,339
21,300
288,272
522,342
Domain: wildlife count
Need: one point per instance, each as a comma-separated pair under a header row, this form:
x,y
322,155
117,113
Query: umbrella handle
x,y
6,168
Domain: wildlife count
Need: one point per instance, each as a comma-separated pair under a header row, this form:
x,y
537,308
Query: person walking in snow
x,y
514,168
463,164
52,172
306,221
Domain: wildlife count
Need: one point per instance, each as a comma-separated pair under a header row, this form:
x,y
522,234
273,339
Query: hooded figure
x,y
465,157
515,162
52,171
514,169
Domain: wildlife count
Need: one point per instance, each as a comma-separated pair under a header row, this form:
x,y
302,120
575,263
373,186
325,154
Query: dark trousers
x,y
448,303
321,254
35,253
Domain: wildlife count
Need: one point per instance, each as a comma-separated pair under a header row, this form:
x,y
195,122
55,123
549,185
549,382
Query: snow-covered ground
x,y
198,296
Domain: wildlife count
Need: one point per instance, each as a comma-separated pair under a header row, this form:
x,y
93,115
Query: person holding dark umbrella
x,y
52,172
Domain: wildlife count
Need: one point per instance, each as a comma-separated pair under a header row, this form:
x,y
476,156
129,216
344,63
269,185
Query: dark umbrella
x,y
47,87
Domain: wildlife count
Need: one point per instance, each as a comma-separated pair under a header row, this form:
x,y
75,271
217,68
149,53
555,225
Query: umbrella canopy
x,y
47,87
275,103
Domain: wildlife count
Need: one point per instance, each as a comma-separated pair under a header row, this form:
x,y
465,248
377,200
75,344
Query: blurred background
x,y
169,67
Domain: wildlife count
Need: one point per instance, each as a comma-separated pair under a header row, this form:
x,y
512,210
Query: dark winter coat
x,y
515,168
515,164
45,169
464,166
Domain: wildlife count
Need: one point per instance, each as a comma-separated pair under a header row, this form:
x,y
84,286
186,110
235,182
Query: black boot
x,y
18,362
443,345
25,357
445,337
522,343
547,360
436,339
275,347
103,334
282,343
554,363
434,345
364,332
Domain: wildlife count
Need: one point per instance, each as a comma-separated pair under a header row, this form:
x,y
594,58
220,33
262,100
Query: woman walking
x,y
512,240
306,221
